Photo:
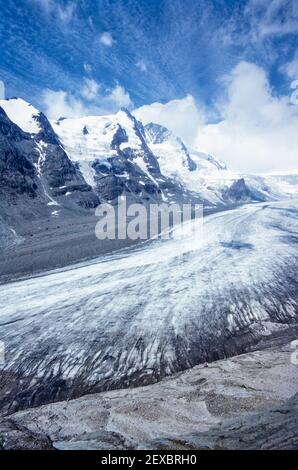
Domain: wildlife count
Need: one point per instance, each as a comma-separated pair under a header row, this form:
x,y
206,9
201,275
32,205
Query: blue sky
x,y
181,46
91,56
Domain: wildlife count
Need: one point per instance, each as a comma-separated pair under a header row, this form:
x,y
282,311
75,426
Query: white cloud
x,y
66,13
61,104
272,17
2,90
106,39
87,67
141,65
257,131
46,5
119,97
51,7
90,89
291,68
180,116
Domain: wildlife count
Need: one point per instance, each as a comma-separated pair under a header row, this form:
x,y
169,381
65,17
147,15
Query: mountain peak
x,y
22,113
157,133
126,112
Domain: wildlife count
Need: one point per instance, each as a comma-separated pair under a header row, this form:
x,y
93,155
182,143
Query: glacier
x,y
137,315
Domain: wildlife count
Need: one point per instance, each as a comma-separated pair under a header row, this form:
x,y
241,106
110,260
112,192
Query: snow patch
x,y
22,114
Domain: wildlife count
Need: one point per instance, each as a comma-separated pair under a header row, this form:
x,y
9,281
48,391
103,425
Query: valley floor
x,y
46,244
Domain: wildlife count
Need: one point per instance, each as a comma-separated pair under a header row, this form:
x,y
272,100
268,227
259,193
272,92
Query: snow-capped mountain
x,y
95,142
114,156
280,184
80,162
200,172
164,144
35,165
118,154
192,169
209,177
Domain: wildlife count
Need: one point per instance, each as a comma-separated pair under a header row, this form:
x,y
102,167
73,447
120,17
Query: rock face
x,y
240,192
17,173
35,171
122,174
17,437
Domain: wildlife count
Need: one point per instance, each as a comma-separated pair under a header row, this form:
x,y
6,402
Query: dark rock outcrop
x,y
35,166
14,436
239,191
17,172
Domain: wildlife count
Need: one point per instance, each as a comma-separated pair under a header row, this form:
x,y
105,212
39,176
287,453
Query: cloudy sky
x,y
220,73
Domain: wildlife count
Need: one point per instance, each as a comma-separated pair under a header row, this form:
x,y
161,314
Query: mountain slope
x,y
115,158
16,171
118,154
34,164
79,162
200,172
